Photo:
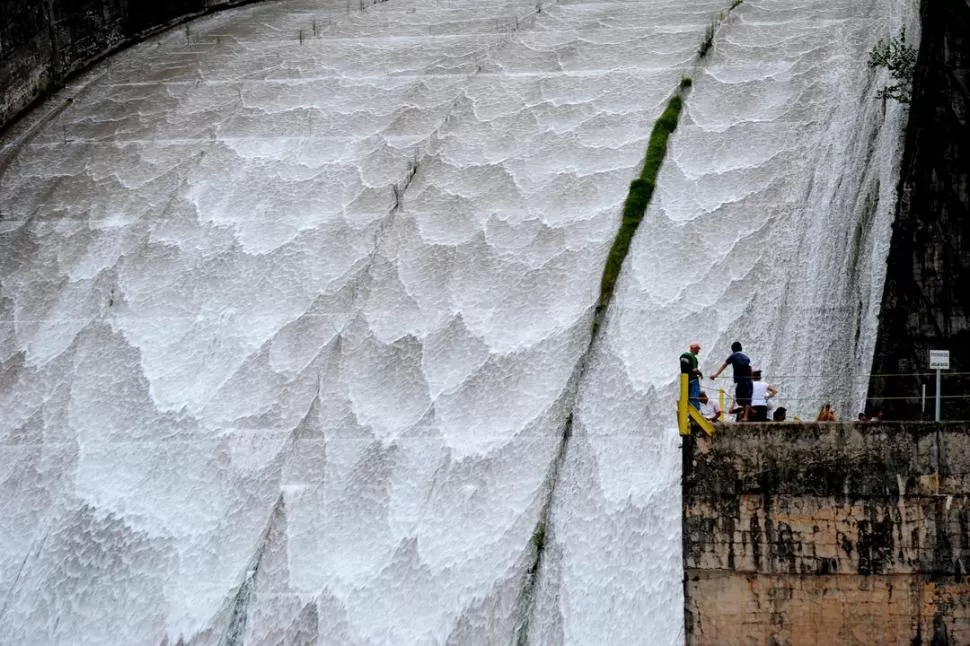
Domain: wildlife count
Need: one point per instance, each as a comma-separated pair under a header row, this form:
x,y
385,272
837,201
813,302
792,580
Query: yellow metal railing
x,y
686,412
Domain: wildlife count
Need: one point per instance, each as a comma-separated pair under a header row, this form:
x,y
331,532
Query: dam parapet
x,y
827,533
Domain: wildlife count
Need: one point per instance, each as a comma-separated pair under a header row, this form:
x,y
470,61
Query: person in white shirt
x,y
760,394
709,408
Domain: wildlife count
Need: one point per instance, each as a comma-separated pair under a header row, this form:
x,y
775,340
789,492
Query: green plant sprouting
x,y
708,41
711,30
900,59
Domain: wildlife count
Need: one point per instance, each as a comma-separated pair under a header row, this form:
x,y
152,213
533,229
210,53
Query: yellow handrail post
x,y
682,405
720,399
701,421
686,412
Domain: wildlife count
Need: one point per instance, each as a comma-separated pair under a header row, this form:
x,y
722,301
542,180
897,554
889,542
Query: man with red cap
x,y
689,367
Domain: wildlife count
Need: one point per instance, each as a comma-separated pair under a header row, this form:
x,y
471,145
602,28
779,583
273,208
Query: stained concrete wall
x,y
43,42
827,534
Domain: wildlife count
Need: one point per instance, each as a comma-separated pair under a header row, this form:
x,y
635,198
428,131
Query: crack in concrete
x,y
238,610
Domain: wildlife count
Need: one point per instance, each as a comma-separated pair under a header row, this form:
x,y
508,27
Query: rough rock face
x,y
42,43
926,304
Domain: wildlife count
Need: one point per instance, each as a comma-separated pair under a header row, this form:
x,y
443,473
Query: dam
x,y
298,309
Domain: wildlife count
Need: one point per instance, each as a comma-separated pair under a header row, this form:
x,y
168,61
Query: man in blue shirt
x,y
741,364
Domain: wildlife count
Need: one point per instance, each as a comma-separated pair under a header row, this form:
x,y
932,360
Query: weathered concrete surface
x,y
827,534
846,609
43,43
926,301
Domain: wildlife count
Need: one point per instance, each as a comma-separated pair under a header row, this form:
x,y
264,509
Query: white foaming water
x,y
770,225
293,300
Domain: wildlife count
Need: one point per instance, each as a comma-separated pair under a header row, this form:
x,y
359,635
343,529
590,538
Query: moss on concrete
x,y
640,194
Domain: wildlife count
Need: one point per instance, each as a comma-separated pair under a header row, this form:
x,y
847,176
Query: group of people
x,y
751,394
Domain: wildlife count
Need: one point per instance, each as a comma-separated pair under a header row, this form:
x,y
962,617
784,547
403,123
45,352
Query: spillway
x,y
297,307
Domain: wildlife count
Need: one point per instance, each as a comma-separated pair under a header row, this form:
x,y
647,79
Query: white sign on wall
x,y
939,359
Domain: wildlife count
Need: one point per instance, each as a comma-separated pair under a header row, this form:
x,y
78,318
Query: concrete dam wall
x,y
297,304
828,534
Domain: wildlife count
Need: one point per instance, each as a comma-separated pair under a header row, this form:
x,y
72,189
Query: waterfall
x,y
297,309
770,225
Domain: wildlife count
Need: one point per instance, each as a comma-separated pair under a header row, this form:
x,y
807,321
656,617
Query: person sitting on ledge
x,y
780,414
709,408
826,413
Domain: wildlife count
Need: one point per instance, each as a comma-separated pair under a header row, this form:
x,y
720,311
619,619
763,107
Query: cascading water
x,y
770,225
297,307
